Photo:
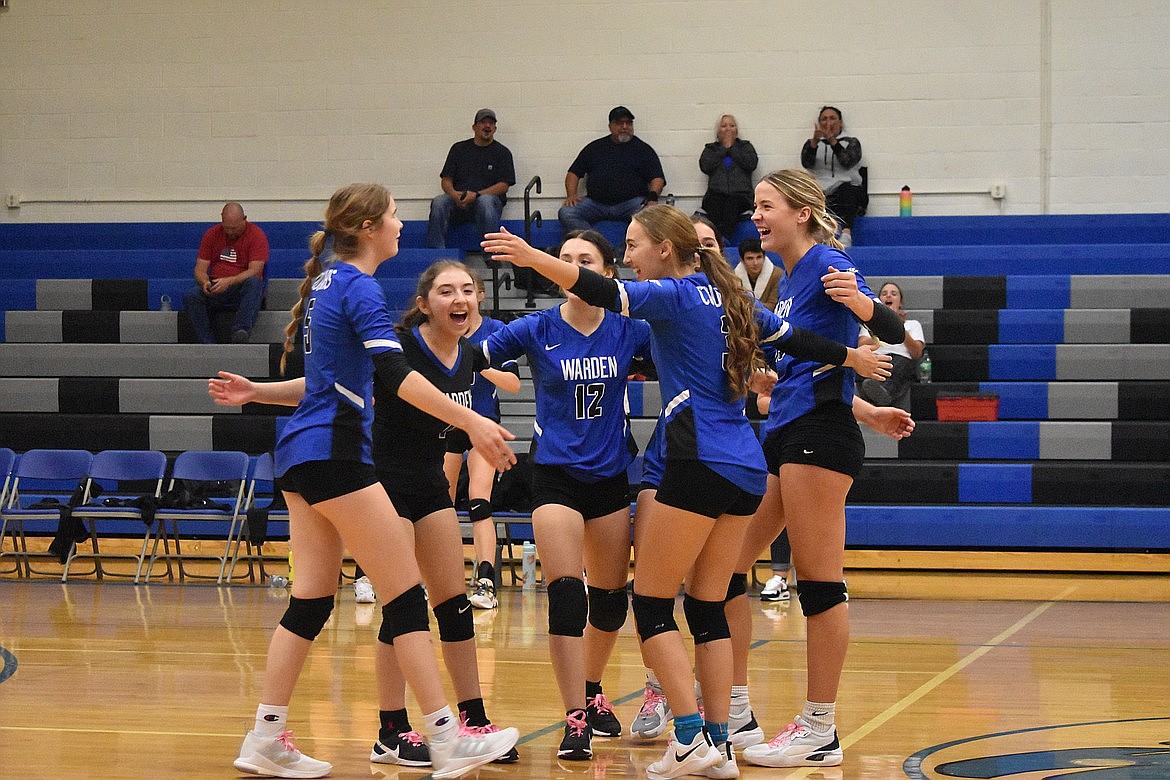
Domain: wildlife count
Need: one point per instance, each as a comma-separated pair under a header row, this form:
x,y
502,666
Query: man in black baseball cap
x,y
475,181
622,172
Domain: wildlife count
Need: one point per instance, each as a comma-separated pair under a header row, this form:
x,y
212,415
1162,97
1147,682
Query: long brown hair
x,y
414,315
666,223
348,209
800,189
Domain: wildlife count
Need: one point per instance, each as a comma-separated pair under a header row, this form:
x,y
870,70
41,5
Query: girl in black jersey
x,y
336,504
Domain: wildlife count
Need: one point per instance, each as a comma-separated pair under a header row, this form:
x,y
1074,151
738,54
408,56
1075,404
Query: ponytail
x,y
313,268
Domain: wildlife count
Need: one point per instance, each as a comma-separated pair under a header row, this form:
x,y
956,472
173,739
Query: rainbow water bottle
x,y
905,201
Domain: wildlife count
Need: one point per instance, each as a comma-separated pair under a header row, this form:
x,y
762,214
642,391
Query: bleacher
x,y
1064,318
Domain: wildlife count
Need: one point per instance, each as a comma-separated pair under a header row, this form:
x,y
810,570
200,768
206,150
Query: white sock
x,y
271,720
653,680
441,725
819,715
739,698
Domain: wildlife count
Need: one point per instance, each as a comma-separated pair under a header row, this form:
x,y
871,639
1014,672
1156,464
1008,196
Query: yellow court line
x,y
900,706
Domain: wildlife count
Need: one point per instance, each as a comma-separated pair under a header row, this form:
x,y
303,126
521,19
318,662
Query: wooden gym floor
x,y
949,675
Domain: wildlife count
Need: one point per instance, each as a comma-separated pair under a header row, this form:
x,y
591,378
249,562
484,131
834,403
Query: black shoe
x,y
576,744
599,715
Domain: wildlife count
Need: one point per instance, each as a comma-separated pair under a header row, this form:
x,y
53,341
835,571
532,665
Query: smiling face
x,y
777,220
485,131
829,122
650,260
386,232
621,130
450,301
891,296
584,254
707,237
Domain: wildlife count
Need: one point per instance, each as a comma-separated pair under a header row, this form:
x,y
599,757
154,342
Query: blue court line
x,y
9,664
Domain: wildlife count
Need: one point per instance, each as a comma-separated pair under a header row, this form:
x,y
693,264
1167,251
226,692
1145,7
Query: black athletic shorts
x,y
827,436
416,506
553,485
695,487
320,480
457,441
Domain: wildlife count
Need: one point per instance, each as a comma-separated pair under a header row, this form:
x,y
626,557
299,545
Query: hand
x,y
816,136
868,363
511,247
489,439
231,389
726,137
890,421
762,382
572,200
841,286
218,286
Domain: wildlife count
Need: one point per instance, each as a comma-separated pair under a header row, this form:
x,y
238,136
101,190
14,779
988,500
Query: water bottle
x,y
924,367
905,202
277,582
528,565
164,303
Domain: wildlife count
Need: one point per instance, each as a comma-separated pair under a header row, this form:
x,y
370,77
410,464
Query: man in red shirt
x,y
229,275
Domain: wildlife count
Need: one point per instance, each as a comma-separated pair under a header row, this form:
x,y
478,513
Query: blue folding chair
x,y
43,483
120,505
7,464
206,491
261,496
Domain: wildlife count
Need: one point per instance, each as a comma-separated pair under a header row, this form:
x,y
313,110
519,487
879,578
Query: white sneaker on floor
x,y
775,589
277,757
742,729
654,716
797,745
685,758
363,591
465,751
484,596
725,767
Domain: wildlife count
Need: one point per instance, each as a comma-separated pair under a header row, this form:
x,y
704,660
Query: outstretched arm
x,y
886,420
234,390
511,247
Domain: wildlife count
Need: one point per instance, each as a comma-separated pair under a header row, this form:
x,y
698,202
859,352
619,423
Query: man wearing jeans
x,y
229,275
623,174
475,181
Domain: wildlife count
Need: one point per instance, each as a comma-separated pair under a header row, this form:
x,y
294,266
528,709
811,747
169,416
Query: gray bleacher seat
x,y
1108,291
127,360
33,327
57,294
1075,441
1112,361
168,396
149,327
1082,401
180,433
1096,326
28,394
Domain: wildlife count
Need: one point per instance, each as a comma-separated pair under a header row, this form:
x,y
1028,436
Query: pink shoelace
x,y
475,731
600,703
285,739
413,737
785,735
576,723
652,698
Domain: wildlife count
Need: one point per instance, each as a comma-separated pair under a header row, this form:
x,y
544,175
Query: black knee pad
x,y
705,619
608,608
306,617
454,619
567,607
404,615
818,597
479,509
736,587
654,616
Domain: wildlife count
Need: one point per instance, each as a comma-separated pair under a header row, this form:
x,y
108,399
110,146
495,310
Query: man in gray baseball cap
x,y
475,181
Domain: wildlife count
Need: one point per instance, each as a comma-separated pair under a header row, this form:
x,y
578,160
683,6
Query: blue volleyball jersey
x,y
484,396
582,411
803,385
698,420
345,324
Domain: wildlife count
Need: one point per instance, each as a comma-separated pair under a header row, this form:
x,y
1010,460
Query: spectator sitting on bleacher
x,y
835,161
475,181
728,162
229,275
906,355
623,174
757,273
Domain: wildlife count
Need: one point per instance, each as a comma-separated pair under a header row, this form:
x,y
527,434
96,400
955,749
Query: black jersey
x,y
409,444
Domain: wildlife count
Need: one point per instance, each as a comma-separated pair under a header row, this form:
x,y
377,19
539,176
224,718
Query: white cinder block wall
x,y
162,109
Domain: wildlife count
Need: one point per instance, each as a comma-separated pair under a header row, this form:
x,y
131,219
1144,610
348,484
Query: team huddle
x,y
362,465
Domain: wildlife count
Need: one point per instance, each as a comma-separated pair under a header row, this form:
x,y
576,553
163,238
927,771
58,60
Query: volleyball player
x,y
580,357
813,446
481,475
705,335
323,458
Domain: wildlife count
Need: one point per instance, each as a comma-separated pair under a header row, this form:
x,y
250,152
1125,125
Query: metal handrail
x,y
529,217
